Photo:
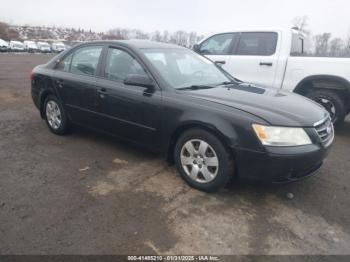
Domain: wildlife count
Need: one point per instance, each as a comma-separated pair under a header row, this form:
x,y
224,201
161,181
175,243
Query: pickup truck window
x,y
221,44
257,44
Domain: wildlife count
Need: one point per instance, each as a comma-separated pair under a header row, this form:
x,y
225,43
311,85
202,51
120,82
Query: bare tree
x,y
192,40
336,47
322,44
180,38
156,36
347,45
4,34
165,36
302,24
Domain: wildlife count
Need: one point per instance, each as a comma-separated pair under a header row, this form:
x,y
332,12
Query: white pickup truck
x,y
278,59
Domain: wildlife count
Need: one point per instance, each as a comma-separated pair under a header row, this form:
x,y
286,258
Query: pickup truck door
x,y
255,58
218,48
251,56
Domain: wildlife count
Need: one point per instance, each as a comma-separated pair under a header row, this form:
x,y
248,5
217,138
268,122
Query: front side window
x,y
183,68
218,44
64,64
85,60
120,64
257,44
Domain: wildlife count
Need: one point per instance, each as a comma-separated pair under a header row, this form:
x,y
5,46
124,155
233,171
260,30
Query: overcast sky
x,y
203,16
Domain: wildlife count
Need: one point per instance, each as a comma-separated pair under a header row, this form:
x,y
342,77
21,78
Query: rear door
x,y
255,58
75,81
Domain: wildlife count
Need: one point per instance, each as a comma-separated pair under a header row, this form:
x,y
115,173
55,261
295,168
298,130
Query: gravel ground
x,y
89,194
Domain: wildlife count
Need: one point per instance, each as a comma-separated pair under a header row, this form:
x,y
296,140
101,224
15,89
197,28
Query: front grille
x,y
325,131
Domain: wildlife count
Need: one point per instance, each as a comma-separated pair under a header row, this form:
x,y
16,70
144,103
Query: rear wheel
x,y
332,102
55,116
203,161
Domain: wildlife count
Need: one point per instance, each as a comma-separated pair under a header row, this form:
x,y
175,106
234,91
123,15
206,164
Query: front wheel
x,y
332,102
203,161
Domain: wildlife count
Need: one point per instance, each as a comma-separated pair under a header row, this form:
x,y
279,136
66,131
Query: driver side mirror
x,y
139,80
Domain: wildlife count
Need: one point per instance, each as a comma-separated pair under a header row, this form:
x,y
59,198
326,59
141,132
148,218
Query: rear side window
x,y
297,46
257,44
85,60
120,64
218,44
64,64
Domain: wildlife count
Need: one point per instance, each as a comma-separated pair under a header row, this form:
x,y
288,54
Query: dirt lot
x,y
89,194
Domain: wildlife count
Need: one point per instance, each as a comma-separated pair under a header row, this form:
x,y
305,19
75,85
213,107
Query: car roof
x,y
141,44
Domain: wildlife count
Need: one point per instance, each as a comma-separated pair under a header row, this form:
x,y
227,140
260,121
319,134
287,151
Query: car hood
x,y
274,106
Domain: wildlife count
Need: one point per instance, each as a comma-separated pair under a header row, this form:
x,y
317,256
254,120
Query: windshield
x,y
183,68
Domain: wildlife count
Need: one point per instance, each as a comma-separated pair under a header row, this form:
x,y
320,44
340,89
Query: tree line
x,y
323,44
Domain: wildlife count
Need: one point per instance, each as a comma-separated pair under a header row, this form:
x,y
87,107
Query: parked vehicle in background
x,y
58,47
3,46
16,46
30,46
278,58
44,47
174,101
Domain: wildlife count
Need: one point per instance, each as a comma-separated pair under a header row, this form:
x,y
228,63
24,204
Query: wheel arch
x,y
42,97
192,125
330,82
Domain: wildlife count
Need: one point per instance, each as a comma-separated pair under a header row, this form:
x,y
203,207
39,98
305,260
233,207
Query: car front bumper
x,y
281,164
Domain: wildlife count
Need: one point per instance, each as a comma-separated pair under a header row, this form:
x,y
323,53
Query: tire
x,y
57,121
332,102
215,177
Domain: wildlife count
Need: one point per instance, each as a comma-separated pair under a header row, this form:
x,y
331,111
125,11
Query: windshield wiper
x,y
195,87
226,83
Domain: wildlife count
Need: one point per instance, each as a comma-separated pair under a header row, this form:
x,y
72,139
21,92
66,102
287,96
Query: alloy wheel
x,y
199,160
53,114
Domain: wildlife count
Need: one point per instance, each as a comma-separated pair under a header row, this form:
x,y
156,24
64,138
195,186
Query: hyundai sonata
x,y
172,100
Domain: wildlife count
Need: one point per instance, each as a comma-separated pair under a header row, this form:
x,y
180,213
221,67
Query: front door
x,y
255,58
132,112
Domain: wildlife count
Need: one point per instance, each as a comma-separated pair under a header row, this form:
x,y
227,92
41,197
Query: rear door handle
x,y
60,83
265,64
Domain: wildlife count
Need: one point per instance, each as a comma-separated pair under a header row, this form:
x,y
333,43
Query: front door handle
x,y
102,92
265,64
220,62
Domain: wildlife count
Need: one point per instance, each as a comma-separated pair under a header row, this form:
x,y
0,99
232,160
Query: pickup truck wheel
x,y
203,161
332,102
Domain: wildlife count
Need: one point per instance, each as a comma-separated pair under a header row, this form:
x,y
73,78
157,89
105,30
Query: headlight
x,y
281,136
